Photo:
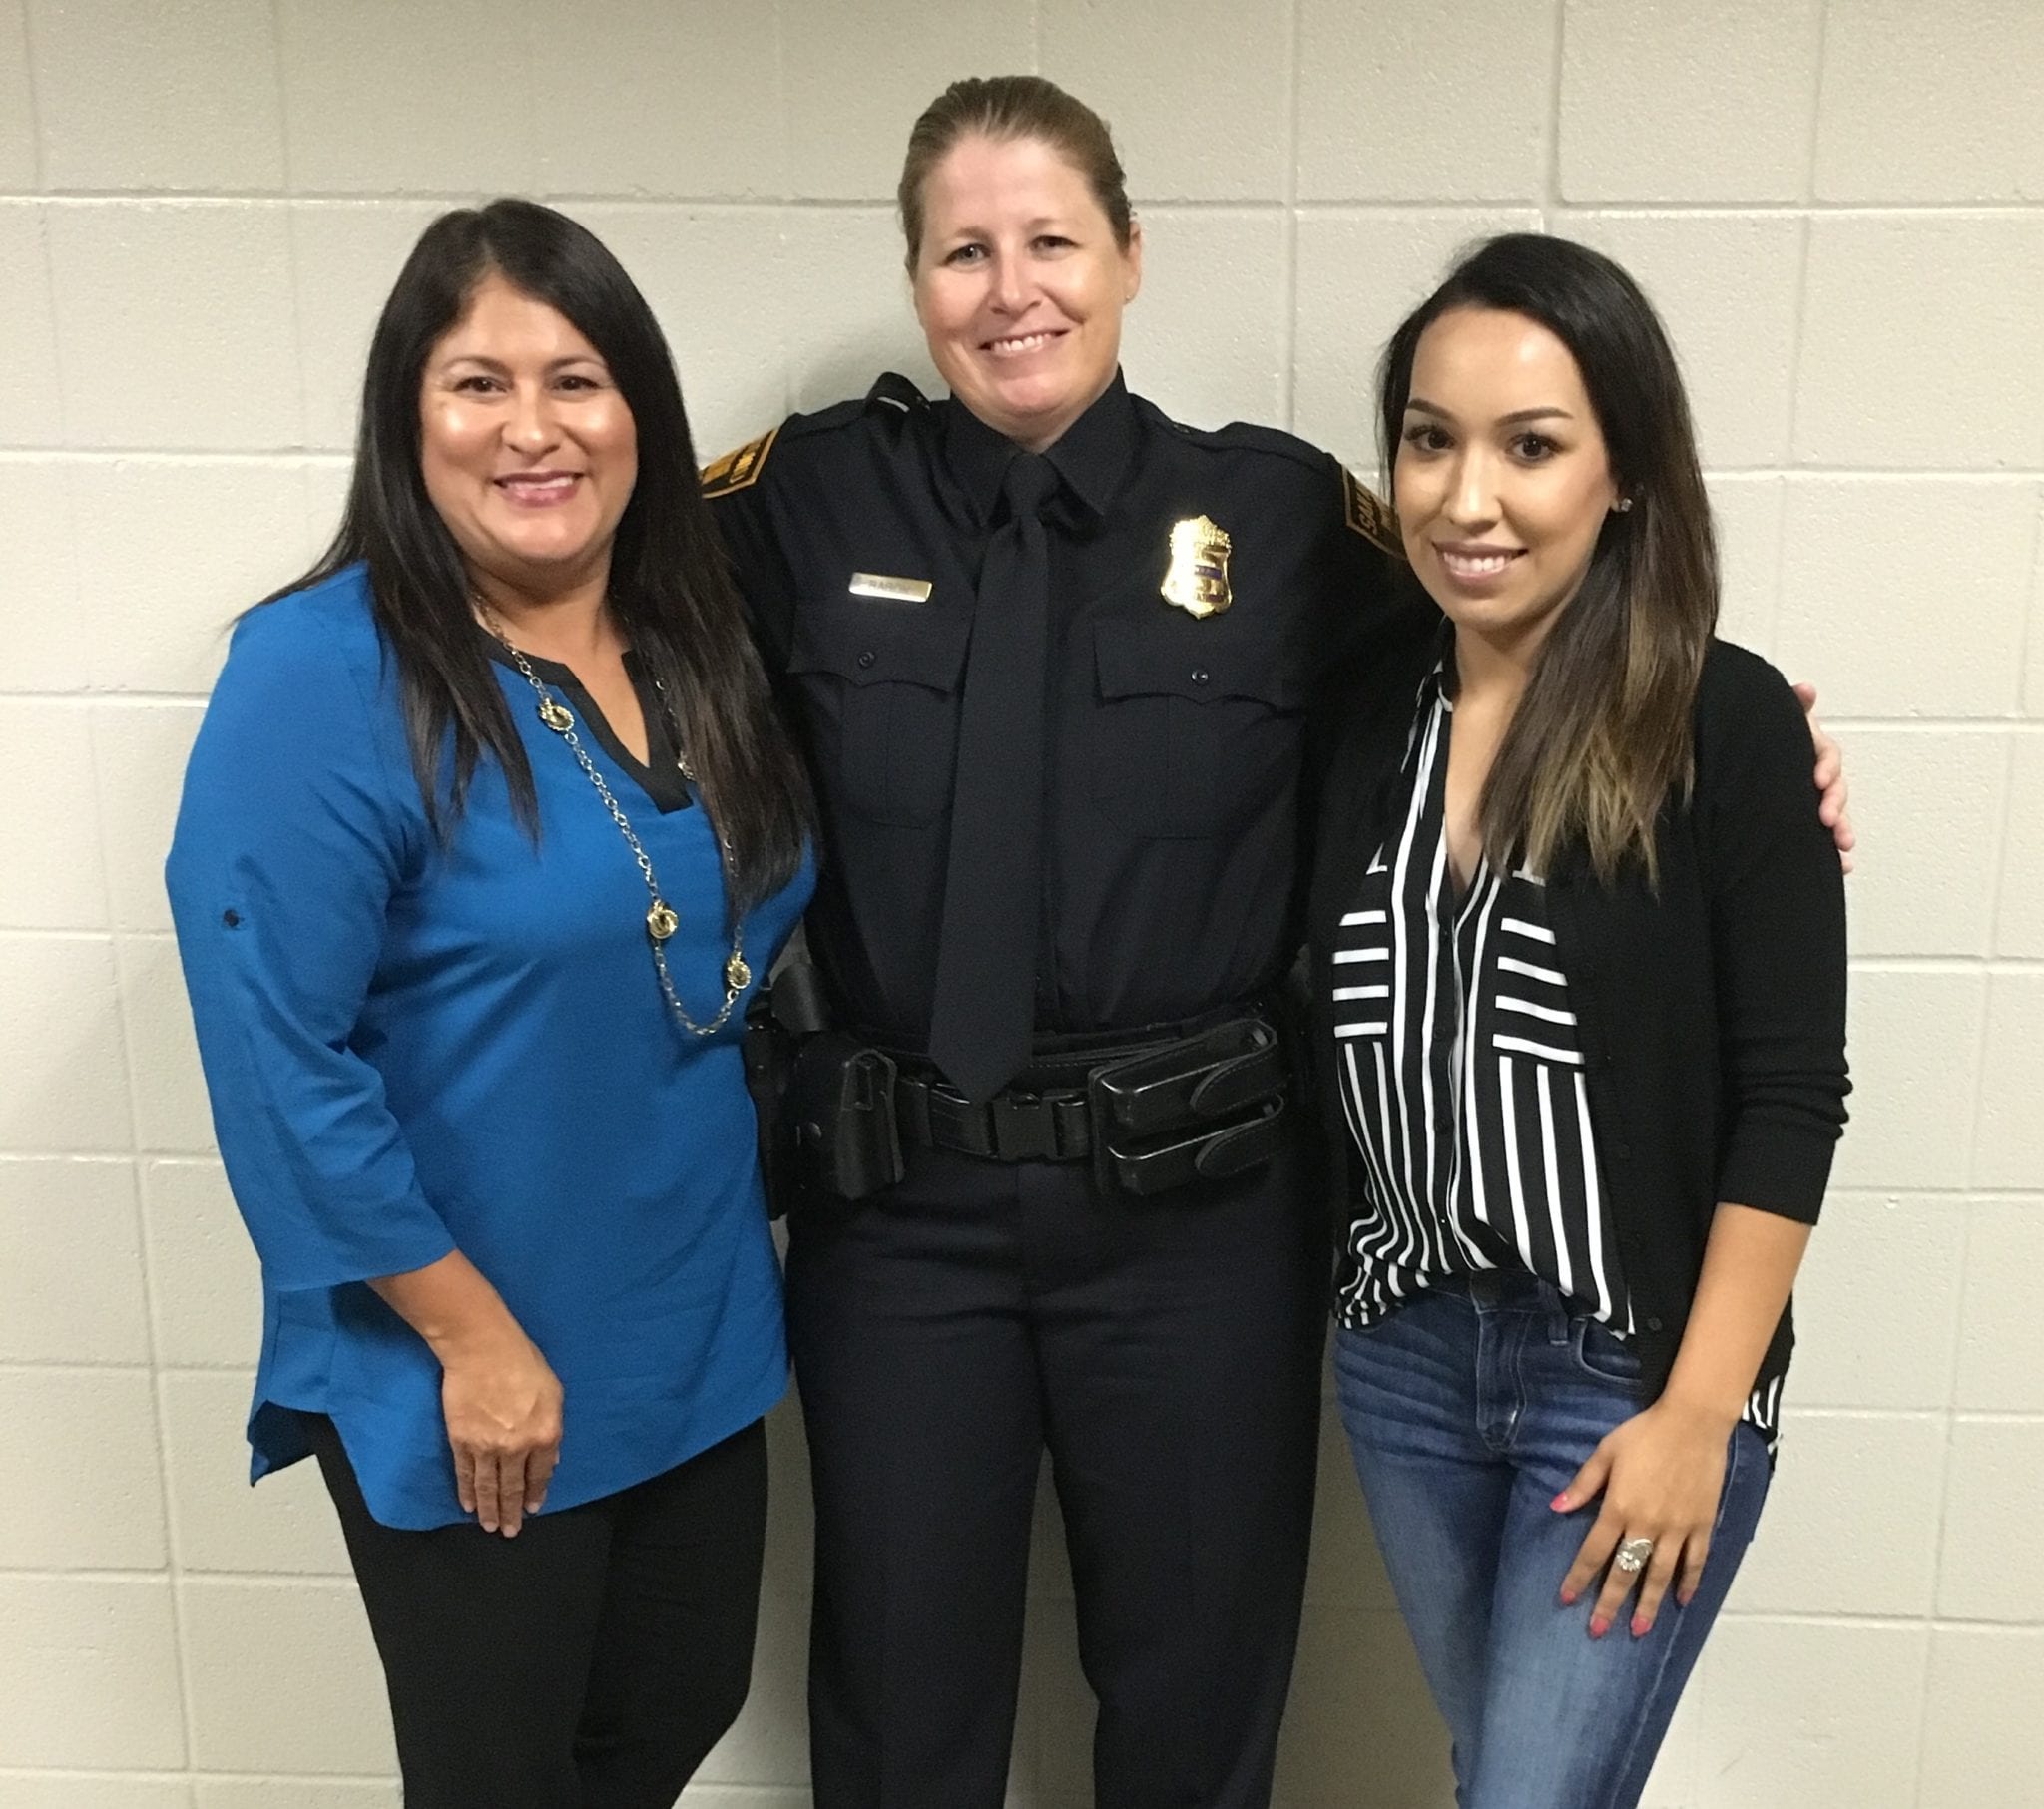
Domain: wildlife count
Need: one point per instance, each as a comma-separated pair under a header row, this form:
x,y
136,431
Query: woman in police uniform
x,y
1054,657
1052,654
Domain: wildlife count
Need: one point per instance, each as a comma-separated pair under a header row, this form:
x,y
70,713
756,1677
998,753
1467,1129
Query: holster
x,y
781,1020
839,1104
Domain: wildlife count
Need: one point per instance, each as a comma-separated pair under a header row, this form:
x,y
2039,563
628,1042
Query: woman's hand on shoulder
x,y
503,1406
1659,1473
1836,794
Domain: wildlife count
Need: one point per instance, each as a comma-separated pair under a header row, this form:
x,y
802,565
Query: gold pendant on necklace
x,y
661,922
555,715
736,975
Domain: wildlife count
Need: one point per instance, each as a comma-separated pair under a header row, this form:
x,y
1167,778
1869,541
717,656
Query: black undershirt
x,y
660,776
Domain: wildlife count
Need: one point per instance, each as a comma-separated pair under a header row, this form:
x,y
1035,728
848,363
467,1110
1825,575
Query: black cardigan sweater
x,y
1712,1013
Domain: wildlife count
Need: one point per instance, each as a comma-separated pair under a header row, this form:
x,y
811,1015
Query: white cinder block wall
x,y
1840,203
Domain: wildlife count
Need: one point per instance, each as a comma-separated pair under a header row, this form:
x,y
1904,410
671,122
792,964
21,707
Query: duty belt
x,y
1151,1112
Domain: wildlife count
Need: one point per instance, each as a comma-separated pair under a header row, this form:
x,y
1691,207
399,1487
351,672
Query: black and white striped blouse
x,y
1462,1077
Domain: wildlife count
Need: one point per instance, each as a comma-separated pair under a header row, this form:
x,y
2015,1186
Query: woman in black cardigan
x,y
1580,977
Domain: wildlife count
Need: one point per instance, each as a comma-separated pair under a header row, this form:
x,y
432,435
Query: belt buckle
x,y
1019,1128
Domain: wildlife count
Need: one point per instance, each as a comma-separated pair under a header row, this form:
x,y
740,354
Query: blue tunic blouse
x,y
414,1047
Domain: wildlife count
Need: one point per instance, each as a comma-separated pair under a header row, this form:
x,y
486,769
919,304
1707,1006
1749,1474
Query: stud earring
x,y
1621,505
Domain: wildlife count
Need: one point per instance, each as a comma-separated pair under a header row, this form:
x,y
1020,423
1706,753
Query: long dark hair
x,y
1602,735
670,591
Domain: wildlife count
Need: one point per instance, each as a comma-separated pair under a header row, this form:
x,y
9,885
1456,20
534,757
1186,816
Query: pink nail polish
x,y
1642,1626
1568,1597
1599,1627
1560,1503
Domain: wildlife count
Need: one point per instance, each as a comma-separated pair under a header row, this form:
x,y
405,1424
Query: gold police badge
x,y
1196,579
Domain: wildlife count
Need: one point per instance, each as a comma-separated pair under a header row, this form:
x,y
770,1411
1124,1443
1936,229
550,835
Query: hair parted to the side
x,y
1602,738
668,585
1004,108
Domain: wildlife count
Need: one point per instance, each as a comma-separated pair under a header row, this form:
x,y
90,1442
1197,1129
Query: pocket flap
x,y
877,642
1199,660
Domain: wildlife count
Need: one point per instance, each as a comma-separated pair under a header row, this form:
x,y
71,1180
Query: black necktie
x,y
985,1005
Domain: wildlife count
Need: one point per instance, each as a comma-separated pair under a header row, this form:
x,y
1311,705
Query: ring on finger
x,y
1633,1554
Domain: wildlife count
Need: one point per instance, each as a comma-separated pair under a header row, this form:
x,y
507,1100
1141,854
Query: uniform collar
x,y
1090,458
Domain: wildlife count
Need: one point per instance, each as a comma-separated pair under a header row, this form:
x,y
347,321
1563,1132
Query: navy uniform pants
x,y
1167,1354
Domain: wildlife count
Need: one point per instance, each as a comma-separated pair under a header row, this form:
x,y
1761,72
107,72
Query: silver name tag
x,y
899,590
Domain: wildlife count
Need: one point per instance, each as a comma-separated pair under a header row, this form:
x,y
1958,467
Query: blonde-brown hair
x,y
1005,108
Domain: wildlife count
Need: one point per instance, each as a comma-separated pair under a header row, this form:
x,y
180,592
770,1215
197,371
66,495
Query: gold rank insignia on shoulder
x,y
1370,515
1196,578
737,469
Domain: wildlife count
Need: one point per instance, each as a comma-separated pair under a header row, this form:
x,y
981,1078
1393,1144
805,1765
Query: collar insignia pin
x,y
1196,581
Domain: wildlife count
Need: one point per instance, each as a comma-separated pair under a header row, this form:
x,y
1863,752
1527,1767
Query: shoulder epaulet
x,y
1239,434
891,395
1370,515
740,467
892,390
1365,511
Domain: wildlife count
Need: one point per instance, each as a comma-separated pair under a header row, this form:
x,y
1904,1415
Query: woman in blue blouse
x,y
488,833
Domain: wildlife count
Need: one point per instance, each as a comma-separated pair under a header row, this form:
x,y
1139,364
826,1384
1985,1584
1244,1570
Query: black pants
x,y
588,1664
1167,1352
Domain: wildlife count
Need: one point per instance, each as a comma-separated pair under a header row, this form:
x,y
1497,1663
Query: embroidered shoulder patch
x,y
735,470
1370,515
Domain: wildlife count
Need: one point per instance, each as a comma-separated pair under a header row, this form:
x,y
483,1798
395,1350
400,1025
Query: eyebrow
x,y
499,364
1518,416
1043,223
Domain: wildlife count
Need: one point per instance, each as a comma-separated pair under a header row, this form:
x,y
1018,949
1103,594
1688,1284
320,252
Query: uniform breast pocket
x,y
881,681
1196,725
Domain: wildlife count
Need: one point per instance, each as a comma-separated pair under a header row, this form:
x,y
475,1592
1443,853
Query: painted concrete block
x,y
1665,102
174,97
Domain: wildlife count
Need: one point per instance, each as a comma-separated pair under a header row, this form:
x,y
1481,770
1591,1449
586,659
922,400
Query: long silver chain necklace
x,y
660,921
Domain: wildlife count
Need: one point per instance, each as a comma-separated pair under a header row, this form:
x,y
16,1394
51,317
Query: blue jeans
x,y
1467,1412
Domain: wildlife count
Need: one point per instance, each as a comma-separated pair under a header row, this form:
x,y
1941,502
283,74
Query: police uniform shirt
x,y
1174,742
